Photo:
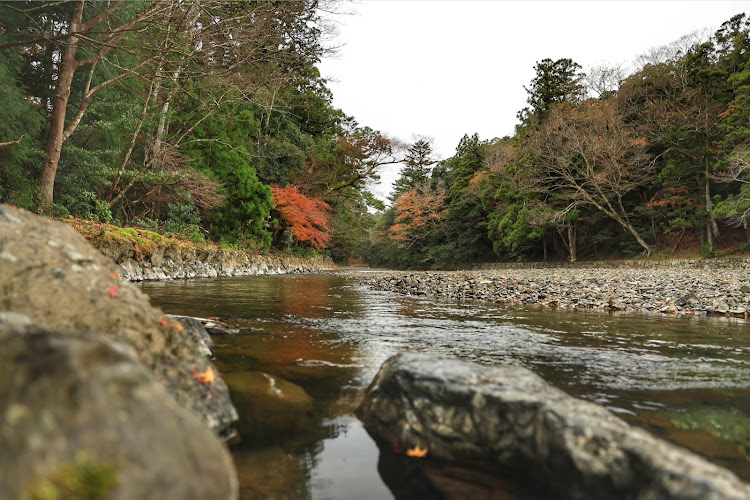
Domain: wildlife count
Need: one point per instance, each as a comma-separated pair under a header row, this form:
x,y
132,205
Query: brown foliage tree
x,y
590,157
418,212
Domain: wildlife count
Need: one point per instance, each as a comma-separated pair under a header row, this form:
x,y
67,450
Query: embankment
x,y
146,258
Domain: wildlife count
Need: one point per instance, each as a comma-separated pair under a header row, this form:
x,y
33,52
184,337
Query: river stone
x,y
56,278
508,420
195,329
77,407
269,405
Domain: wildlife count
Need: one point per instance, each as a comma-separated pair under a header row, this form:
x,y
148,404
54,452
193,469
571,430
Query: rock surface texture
x,y
53,281
83,405
508,420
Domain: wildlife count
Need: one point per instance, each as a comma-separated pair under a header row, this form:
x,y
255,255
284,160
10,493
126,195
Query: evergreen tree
x,y
554,82
416,170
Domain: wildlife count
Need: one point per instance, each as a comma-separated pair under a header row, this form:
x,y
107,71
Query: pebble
x,y
665,291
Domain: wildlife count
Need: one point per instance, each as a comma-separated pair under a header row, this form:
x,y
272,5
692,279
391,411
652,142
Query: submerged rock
x,y
508,420
81,416
270,405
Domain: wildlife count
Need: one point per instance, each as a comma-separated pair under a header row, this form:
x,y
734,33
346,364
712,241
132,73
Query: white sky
x,y
443,68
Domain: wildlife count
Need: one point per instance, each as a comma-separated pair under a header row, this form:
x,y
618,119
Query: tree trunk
x,y
68,67
637,236
572,242
544,245
713,228
160,130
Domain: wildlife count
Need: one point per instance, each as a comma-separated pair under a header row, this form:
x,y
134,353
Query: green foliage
x,y
512,234
183,147
224,152
183,221
555,82
349,229
416,170
87,205
22,122
707,251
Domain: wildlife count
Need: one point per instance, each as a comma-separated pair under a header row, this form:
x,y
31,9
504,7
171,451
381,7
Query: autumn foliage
x,y
417,213
307,218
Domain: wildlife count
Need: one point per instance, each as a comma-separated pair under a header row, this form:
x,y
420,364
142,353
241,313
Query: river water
x,y
684,379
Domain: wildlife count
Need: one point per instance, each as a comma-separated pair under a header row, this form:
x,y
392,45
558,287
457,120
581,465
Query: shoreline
x,y
171,263
678,290
143,255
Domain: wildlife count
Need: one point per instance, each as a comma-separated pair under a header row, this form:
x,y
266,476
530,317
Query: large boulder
x,y
98,383
51,274
82,417
506,420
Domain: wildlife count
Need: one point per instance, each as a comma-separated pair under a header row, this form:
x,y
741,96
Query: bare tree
x,y
589,157
604,80
671,52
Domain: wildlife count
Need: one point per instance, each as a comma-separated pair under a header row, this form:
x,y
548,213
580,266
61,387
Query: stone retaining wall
x,y
181,263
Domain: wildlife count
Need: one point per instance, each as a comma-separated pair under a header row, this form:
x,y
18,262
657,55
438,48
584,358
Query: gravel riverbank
x,y
724,292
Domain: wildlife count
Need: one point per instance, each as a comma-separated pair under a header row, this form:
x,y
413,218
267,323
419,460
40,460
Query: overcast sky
x,y
443,68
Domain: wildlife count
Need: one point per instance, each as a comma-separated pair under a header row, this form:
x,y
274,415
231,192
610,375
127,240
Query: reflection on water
x,y
309,344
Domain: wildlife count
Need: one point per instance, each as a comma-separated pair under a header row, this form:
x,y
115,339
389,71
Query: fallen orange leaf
x,y
207,377
113,291
416,452
165,322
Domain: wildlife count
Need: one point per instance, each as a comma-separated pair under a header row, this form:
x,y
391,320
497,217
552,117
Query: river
x,y
684,379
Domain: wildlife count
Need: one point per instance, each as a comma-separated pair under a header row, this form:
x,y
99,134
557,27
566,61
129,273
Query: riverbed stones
x,y
507,420
675,290
82,418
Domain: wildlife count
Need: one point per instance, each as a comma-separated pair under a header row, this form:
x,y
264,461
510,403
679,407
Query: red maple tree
x,y
307,218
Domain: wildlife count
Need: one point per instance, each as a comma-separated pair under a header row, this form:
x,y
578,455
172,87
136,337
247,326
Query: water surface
x,y
685,379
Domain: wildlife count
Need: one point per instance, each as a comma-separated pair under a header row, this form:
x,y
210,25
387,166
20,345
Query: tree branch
x,y
12,143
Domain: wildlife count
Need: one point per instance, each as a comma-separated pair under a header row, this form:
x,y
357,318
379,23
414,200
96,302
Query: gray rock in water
x,y
194,327
80,417
507,419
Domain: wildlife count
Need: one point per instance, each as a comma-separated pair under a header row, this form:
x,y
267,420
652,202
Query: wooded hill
x,y
209,120
603,164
